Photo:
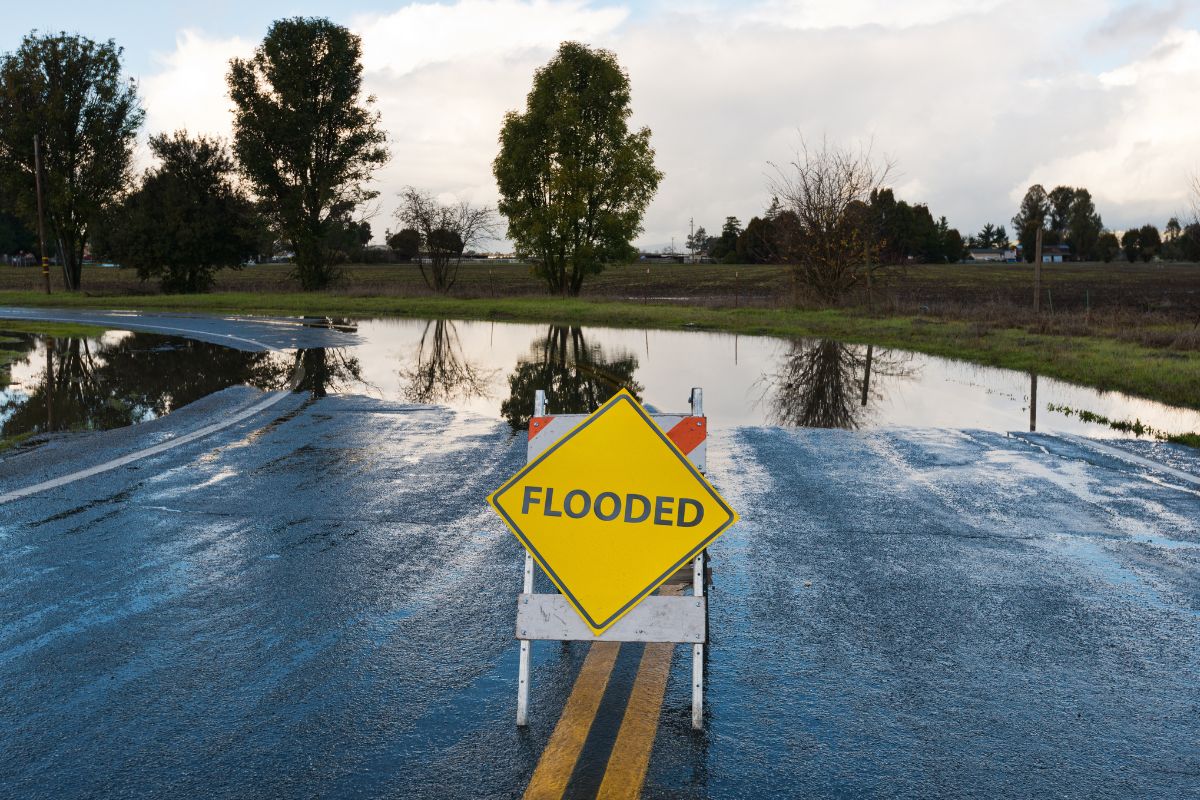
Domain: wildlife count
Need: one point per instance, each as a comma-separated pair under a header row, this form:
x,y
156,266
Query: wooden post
x,y
867,266
1032,402
37,182
1037,272
867,375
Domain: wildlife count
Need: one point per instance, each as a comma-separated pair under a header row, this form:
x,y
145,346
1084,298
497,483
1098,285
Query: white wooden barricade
x,y
658,618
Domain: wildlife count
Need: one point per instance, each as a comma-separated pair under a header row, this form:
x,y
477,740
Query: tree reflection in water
x,y
326,369
441,372
97,384
823,383
578,378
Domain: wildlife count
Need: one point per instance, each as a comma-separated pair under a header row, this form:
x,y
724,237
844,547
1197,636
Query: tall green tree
x,y
952,245
187,220
405,243
1131,243
574,180
1084,226
68,91
305,136
1108,248
1032,215
725,245
15,235
987,236
698,242
1061,198
1150,241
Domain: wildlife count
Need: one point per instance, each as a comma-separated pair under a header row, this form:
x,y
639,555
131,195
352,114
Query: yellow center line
x,y
553,772
630,755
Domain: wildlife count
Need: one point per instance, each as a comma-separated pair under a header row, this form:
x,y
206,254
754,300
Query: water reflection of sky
x,y
736,373
492,369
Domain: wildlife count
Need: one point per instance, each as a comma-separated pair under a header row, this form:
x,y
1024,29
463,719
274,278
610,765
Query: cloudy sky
x,y
973,99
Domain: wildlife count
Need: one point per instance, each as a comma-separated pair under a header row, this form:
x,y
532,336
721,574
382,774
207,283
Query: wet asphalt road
x,y
316,603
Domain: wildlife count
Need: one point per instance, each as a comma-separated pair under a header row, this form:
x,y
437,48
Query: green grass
x,y
1158,373
57,329
13,441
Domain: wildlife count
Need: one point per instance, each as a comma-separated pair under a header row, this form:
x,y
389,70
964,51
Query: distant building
x,y
1051,253
1000,254
1055,253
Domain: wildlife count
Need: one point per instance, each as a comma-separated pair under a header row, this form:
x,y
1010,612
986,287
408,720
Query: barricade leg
x,y
698,650
523,669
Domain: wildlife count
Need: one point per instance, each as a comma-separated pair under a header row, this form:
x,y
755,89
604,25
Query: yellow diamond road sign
x,y
611,510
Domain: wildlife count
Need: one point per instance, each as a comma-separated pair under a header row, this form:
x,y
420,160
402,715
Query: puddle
x,y
121,378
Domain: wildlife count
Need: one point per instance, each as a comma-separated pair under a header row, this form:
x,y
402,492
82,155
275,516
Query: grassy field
x,y
1172,289
1133,330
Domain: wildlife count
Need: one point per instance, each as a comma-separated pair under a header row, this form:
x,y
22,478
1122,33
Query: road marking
x,y
163,447
553,771
631,754
1131,458
116,319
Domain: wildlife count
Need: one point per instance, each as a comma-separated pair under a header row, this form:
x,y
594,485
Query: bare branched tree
x,y
1194,197
445,231
442,372
823,383
826,190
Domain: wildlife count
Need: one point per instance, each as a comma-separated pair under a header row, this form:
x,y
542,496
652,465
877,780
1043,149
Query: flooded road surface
x,y
315,602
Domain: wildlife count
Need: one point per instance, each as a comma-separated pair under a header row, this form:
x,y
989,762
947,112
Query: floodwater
x,y
122,378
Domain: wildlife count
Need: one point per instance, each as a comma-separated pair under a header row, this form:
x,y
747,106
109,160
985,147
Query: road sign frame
x,y
652,618
582,423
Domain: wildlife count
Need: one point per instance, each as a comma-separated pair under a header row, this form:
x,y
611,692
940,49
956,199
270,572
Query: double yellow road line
x,y
630,757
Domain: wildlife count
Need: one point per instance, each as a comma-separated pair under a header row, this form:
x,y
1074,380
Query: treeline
x,y
574,181
306,142
892,232
293,176
1067,216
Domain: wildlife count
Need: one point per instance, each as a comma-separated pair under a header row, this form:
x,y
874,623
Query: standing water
x,y
121,378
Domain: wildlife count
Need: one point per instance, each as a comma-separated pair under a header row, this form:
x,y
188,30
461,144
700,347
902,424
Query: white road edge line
x,y
148,328
1131,458
137,455
162,447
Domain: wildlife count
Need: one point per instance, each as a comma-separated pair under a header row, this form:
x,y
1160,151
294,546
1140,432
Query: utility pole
x,y
1037,272
692,237
37,181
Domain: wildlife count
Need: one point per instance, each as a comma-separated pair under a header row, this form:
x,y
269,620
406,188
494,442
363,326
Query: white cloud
x,y
822,14
189,91
971,100
1138,161
433,33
